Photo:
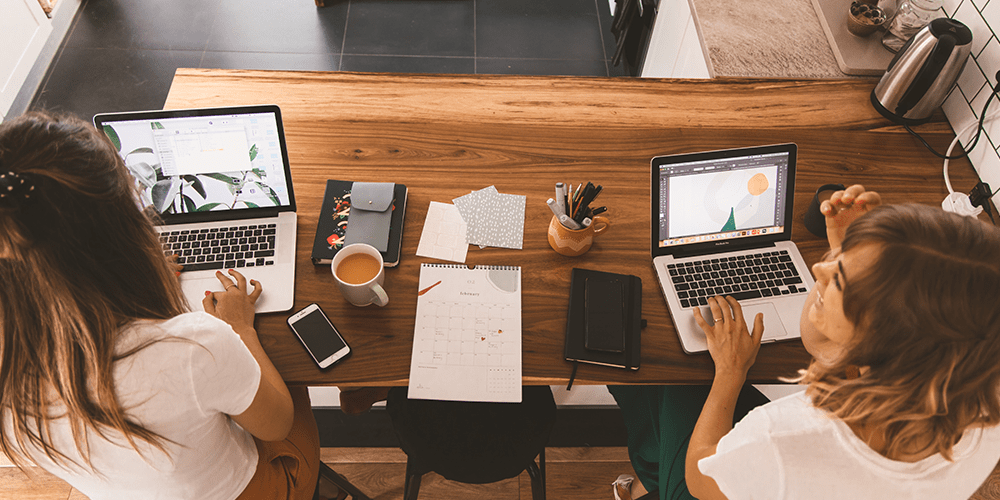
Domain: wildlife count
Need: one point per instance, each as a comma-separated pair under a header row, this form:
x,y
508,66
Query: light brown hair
x,y
928,325
78,261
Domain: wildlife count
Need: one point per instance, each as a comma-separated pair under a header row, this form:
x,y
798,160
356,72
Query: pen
x,y
560,198
576,199
599,210
588,195
425,290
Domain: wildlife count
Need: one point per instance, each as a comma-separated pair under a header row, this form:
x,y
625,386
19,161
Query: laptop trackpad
x,y
773,329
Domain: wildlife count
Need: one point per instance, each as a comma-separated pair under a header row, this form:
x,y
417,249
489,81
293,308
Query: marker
x,y
569,223
561,198
554,206
586,222
599,210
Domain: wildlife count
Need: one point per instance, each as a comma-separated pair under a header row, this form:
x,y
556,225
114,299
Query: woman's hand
x,y
172,259
233,305
843,208
732,346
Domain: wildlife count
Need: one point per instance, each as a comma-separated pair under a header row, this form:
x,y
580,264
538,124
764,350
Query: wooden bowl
x,y
863,18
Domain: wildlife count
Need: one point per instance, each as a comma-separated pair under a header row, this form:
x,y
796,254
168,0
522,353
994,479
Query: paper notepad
x,y
467,336
493,219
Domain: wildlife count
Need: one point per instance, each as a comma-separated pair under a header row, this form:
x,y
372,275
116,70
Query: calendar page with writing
x,y
467,335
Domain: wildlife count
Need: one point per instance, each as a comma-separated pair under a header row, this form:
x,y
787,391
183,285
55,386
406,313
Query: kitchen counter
x,y
760,38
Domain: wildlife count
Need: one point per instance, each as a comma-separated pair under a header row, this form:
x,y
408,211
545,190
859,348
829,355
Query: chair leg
x,y
331,475
541,465
537,477
411,486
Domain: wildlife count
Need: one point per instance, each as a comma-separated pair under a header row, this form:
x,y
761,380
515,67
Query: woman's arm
x,y
269,417
733,349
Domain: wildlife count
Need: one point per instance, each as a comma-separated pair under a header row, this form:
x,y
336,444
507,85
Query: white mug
x,y
355,284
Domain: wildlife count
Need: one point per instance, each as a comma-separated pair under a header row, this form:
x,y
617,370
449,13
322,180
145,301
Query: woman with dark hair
x,y
903,392
106,379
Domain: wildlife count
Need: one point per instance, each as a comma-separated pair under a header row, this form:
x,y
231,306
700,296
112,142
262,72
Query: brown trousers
x,y
288,469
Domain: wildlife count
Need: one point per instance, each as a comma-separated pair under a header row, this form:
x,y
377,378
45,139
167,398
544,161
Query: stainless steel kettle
x,y
923,72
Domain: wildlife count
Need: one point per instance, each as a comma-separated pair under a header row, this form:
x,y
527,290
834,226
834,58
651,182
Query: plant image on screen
x,y
201,192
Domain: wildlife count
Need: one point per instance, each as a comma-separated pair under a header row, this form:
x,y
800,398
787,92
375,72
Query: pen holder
x,y
570,242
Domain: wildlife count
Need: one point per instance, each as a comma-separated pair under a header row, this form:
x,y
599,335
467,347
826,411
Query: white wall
x,y
25,28
975,84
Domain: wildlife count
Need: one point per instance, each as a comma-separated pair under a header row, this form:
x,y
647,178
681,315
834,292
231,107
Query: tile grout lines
x,y
343,43
475,39
600,31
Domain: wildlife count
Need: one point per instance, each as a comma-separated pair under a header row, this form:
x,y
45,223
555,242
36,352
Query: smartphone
x,y
320,338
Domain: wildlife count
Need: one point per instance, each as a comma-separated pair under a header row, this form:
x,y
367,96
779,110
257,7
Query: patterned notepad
x,y
492,218
467,335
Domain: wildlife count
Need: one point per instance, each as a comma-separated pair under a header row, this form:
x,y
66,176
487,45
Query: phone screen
x,y
320,337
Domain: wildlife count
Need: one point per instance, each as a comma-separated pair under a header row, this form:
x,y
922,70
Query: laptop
x,y
221,183
721,225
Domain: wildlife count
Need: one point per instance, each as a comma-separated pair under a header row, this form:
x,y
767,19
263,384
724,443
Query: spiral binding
x,y
462,266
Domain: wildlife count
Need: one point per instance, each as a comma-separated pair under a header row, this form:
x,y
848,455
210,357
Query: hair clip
x,y
14,186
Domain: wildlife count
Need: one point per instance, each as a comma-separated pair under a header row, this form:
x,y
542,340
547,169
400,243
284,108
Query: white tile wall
x,y
978,80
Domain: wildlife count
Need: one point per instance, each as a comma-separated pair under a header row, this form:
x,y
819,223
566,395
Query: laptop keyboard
x,y
744,277
221,247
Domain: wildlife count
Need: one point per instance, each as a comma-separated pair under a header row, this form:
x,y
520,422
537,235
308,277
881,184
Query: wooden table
x,y
444,136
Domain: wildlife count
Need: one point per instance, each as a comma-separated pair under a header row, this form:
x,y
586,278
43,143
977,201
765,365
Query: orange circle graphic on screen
x,y
757,184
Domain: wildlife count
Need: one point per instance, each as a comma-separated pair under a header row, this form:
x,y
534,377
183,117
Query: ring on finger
x,y
720,319
230,286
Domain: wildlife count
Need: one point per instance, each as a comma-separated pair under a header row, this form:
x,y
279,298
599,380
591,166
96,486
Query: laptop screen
x,y
722,198
204,161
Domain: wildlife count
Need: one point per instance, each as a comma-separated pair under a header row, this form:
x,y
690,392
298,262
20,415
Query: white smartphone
x,y
320,338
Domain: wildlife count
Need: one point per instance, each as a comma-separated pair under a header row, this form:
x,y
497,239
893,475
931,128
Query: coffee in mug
x,y
359,272
358,268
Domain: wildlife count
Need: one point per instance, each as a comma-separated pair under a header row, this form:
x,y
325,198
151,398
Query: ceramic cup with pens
x,y
359,271
570,242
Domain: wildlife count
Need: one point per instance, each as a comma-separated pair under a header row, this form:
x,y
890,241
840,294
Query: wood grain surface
x,y
444,136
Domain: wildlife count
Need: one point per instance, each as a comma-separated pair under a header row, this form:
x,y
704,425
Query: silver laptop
x,y
220,180
722,226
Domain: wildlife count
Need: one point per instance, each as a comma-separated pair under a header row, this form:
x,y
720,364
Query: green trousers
x,y
659,421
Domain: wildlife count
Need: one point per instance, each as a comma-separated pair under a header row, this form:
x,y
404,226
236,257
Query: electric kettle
x,y
923,72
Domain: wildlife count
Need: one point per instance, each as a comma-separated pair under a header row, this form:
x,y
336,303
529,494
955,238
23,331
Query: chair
x,y
473,443
345,486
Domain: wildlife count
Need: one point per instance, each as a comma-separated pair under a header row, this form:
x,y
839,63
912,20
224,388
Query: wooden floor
x,y
571,473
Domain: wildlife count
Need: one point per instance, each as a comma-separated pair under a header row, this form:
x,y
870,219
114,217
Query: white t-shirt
x,y
182,391
789,449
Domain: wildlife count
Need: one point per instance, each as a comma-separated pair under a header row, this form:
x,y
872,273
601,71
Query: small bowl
x,y
863,18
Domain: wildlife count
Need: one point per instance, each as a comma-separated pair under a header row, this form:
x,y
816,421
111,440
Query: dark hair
x,y
78,261
928,325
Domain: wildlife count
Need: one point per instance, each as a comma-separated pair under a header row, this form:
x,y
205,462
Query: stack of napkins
x,y
485,217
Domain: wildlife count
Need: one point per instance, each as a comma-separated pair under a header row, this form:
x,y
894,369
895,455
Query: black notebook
x,y
334,216
603,326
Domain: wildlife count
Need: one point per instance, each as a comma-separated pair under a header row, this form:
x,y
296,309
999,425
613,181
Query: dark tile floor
x,y
121,55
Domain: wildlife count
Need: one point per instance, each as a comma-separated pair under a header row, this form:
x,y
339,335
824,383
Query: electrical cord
x,y
965,152
954,142
962,203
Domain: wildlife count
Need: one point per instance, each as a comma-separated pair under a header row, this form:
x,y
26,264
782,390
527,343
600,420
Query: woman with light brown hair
x,y
106,379
903,393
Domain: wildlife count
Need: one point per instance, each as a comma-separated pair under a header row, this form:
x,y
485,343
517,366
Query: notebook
x,y
721,225
467,334
603,325
221,183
